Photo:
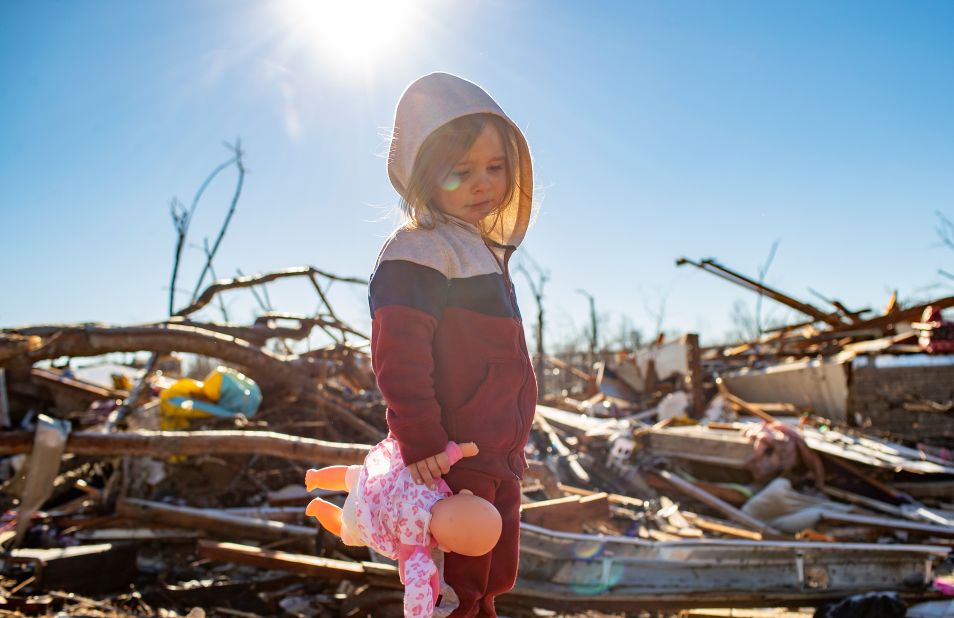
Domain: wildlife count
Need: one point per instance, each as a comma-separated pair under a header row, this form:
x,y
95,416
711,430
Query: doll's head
x,y
465,524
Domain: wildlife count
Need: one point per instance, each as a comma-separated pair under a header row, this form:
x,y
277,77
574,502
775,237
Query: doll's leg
x,y
332,477
327,513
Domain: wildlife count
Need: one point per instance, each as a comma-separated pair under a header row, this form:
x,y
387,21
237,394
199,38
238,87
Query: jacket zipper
x,y
523,348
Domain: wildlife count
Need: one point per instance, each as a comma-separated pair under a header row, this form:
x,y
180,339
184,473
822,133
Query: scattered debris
x,y
797,470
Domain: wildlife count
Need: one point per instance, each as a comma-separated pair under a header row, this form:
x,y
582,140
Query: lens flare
x,y
451,183
595,581
588,551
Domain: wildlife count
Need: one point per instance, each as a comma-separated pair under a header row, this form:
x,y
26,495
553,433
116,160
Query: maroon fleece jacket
x,y
448,347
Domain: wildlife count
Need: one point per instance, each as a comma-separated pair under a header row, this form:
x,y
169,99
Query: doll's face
x,y
476,184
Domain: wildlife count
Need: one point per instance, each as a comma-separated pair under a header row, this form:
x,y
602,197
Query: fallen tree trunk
x,y
169,443
261,365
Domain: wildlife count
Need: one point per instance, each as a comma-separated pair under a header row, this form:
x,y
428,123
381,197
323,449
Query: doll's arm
x,y
421,584
455,452
430,469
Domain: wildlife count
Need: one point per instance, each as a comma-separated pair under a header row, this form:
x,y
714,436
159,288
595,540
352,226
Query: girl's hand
x,y
429,470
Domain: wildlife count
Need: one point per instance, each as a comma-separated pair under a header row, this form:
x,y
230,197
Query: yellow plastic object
x,y
121,382
174,416
225,393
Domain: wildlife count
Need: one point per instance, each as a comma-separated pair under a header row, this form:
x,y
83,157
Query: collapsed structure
x,y
800,468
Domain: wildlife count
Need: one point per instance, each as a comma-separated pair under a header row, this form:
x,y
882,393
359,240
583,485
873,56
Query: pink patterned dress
x,y
392,515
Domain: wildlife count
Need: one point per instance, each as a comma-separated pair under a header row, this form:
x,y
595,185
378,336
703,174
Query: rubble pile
x,y
794,471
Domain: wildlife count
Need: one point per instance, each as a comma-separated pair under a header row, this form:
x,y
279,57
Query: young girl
x,y
447,342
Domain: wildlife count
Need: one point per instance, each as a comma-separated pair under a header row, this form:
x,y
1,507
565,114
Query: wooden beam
x,y
696,376
887,523
688,489
213,521
927,489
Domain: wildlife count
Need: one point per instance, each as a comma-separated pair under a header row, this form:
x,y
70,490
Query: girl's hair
x,y
436,158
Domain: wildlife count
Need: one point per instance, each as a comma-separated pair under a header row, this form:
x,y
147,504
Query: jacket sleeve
x,y
407,302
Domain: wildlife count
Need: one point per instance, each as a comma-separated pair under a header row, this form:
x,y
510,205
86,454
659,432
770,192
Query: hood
x,y
436,99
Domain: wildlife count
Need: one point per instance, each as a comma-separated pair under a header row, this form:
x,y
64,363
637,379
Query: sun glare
x,y
352,33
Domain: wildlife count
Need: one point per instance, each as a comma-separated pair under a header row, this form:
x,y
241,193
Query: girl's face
x,y
477,183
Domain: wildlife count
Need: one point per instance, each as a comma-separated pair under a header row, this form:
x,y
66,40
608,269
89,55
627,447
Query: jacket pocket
x,y
491,417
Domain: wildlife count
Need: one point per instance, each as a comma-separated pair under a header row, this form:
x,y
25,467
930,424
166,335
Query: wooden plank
x,y
303,564
724,528
713,446
55,379
613,498
567,514
99,568
542,472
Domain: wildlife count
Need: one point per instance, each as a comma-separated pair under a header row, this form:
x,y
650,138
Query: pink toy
x,y
389,512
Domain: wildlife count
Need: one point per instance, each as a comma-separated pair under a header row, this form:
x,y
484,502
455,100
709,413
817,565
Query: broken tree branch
x,y
243,282
169,443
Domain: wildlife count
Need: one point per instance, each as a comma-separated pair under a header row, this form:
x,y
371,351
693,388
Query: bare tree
x,y
594,334
747,325
763,271
536,281
628,336
657,313
237,159
945,231
182,218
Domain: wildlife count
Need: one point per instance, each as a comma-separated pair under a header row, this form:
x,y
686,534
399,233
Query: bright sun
x,y
352,33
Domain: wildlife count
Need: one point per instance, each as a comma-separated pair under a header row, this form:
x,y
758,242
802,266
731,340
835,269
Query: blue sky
x,y
659,129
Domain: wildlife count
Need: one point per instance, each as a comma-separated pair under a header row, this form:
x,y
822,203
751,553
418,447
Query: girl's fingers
x,y
426,477
414,473
433,468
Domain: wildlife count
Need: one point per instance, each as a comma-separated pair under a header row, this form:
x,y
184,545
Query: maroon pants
x,y
478,580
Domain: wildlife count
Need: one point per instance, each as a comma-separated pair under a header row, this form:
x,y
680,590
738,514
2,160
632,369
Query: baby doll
x,y
389,512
